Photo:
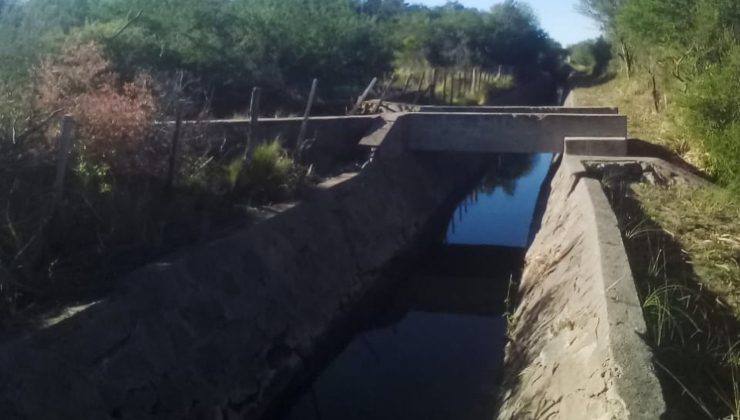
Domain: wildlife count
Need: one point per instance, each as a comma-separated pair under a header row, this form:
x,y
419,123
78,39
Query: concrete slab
x,y
509,133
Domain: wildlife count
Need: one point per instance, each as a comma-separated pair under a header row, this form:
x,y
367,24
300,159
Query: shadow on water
x,y
432,344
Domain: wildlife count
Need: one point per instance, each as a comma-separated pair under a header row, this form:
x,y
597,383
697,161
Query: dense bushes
x,y
712,110
592,55
224,47
688,51
112,118
452,35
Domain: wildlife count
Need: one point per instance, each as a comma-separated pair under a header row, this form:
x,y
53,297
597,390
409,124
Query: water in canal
x,y
433,347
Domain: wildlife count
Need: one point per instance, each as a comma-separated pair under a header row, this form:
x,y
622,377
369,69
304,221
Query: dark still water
x,y
500,210
432,347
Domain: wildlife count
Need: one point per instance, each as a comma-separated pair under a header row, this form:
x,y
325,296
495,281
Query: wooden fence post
x,y
385,92
452,87
174,146
364,95
433,92
444,86
254,114
418,89
307,113
64,145
461,84
407,84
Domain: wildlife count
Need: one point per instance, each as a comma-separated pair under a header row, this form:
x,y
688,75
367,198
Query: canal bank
x,y
575,346
221,329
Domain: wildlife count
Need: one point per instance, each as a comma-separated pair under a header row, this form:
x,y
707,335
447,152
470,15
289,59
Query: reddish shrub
x,y
112,117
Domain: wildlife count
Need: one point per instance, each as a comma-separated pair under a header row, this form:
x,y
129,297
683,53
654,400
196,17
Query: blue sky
x,y
558,17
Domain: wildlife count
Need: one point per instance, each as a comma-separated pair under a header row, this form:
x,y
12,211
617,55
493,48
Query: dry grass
x,y
684,256
705,222
634,98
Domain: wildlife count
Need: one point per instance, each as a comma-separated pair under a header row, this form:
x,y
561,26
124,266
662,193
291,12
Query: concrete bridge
x,y
579,131
597,131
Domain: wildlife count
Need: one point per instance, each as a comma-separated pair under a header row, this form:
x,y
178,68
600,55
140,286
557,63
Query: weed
x,y
269,174
511,303
730,399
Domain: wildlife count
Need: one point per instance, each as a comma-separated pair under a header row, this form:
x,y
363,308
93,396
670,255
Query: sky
x,y
558,17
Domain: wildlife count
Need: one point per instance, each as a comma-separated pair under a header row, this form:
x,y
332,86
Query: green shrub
x,y
269,175
712,114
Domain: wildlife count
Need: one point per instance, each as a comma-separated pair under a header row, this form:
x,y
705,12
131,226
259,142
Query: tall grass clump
x,y
269,175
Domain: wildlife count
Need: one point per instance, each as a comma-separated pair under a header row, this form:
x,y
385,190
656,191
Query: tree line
x,y
218,49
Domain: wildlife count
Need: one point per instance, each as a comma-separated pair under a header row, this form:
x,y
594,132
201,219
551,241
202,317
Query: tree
x,y
602,11
605,13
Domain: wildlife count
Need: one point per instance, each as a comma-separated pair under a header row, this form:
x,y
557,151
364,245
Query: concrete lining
x,y
576,350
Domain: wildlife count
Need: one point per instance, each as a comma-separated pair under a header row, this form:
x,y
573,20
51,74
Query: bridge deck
x,y
510,133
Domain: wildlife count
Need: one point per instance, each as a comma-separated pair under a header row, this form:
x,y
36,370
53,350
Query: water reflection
x,y
431,349
500,210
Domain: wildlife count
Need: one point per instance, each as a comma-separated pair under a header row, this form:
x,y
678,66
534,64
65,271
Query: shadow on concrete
x,y
643,148
520,351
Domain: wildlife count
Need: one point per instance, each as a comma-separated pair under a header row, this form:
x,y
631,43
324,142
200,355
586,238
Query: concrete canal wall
x,y
218,331
575,349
